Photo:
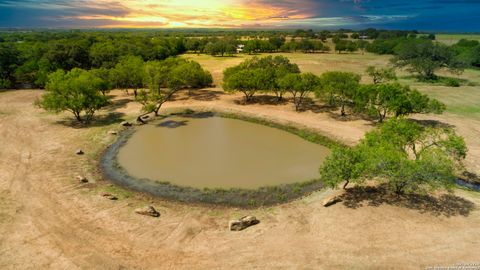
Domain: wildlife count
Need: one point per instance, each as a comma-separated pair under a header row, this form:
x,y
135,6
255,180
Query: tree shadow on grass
x,y
97,121
197,94
350,116
433,123
262,100
309,104
206,95
445,205
117,104
334,111
470,177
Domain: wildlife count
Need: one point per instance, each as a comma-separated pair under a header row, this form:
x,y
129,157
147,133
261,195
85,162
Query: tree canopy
x,y
423,57
380,100
258,74
165,78
338,88
381,75
76,91
299,85
128,72
406,156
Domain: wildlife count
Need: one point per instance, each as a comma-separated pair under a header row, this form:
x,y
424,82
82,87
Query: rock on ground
x,y
82,179
147,211
79,152
242,223
331,200
109,196
126,124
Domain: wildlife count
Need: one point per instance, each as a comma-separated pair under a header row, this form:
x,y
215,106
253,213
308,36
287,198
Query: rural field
x,y
50,221
453,38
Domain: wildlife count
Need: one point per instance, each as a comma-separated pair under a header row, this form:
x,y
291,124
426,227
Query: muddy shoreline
x,y
263,196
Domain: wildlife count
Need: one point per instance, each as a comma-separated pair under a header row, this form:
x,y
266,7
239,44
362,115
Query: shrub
x,y
452,82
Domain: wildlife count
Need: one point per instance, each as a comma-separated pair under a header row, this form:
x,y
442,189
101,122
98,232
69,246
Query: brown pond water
x,y
216,152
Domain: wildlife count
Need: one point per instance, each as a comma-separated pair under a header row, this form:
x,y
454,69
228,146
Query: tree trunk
x,y
297,105
279,96
346,183
343,109
77,116
247,97
399,189
157,109
139,118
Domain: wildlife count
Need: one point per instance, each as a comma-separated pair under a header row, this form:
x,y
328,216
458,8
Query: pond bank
x,y
268,195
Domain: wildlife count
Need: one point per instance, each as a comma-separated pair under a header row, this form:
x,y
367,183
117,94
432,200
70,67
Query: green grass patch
x,y
118,191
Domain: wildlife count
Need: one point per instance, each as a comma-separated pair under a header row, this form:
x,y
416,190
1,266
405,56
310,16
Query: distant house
x,y
240,48
363,37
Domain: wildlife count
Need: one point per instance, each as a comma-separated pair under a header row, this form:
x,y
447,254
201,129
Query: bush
x,y
452,82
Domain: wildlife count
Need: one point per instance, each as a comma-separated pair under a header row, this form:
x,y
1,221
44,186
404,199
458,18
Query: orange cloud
x,y
205,13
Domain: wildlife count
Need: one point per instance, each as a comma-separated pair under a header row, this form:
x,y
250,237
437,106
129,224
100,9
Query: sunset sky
x,y
443,15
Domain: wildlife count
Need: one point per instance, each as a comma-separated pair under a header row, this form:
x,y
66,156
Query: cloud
x,y
237,13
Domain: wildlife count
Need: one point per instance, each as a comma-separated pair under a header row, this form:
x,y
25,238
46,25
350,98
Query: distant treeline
x,y
27,57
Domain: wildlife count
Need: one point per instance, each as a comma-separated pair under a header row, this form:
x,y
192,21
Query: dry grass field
x,y
450,39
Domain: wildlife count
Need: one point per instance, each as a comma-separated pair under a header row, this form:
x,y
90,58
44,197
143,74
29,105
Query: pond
x,y
207,151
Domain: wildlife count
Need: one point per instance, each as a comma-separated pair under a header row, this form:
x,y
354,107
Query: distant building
x,y
363,37
240,48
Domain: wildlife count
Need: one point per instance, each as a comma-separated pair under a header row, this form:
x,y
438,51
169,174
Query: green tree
x,y
221,47
193,44
128,73
165,78
412,158
103,54
249,82
299,85
423,57
467,51
392,98
76,91
106,79
9,60
381,75
343,164
258,74
362,45
345,45
339,88
307,46
193,76
276,42
406,156
290,46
